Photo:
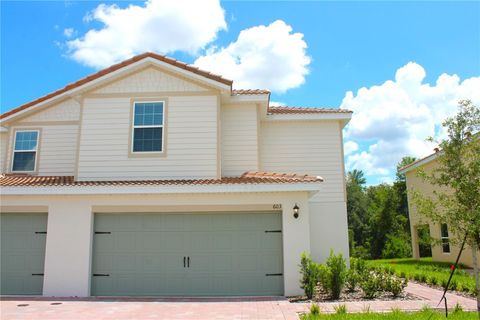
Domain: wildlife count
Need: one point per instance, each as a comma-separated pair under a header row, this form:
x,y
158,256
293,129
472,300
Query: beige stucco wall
x,y
414,182
68,251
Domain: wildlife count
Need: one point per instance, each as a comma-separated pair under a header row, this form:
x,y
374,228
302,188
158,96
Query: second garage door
x,y
188,254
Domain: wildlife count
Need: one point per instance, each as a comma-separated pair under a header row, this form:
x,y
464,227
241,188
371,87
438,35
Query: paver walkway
x,y
202,308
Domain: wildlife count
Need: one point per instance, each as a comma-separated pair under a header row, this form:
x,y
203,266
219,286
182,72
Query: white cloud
x,y
161,26
276,104
270,57
396,117
68,32
350,147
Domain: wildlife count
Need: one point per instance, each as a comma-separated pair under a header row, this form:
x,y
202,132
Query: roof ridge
x,y
115,67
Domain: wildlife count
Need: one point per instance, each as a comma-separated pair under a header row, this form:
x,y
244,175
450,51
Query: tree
x,y
356,209
456,200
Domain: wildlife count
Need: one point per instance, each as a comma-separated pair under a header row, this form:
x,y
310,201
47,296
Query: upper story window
x,y
148,122
25,151
445,240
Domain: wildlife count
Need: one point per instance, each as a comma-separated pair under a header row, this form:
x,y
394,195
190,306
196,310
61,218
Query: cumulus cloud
x,y
396,117
161,26
350,147
276,104
271,57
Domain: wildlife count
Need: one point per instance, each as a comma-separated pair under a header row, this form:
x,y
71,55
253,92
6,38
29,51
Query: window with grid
x,y
148,121
25,151
445,240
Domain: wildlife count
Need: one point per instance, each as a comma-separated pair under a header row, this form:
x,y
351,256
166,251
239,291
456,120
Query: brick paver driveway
x,y
199,309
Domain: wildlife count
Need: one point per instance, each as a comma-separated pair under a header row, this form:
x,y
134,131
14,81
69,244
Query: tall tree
x,y
456,200
356,209
400,186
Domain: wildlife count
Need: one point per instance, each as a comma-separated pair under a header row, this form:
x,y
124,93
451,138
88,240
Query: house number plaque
x,y
277,206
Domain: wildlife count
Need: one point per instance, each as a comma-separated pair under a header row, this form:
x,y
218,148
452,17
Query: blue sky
x,y
413,59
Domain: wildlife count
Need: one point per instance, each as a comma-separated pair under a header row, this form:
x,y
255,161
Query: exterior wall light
x,y
296,210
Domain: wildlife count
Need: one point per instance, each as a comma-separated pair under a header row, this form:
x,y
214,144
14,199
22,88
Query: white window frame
x,y
148,126
15,151
445,238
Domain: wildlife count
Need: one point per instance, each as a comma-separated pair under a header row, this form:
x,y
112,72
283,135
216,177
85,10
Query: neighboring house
x,y
442,248
152,177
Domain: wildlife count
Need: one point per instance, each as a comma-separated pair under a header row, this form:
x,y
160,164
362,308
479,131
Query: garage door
x,y
23,238
187,254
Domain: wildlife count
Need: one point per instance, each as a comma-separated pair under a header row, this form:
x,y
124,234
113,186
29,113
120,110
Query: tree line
x,y
378,216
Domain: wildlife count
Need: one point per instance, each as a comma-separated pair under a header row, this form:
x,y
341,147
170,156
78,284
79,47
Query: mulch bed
x,y
356,295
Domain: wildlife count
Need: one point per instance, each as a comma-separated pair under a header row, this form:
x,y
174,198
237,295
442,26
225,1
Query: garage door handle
x,y
188,262
101,275
184,262
274,274
37,274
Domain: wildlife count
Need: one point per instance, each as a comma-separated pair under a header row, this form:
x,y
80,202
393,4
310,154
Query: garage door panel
x,y
229,254
222,240
22,252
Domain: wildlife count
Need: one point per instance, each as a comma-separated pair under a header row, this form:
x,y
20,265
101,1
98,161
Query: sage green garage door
x,y
23,238
187,254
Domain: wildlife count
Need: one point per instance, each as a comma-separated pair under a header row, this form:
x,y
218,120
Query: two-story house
x,y
152,177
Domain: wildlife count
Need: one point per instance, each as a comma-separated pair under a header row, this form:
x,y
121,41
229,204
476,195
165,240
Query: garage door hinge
x,y
40,232
273,231
101,275
274,274
37,274
102,232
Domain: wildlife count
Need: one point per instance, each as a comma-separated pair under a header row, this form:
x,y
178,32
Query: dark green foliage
x,y
378,217
310,272
336,270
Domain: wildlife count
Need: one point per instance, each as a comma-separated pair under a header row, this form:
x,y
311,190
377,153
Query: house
x,y
442,249
152,177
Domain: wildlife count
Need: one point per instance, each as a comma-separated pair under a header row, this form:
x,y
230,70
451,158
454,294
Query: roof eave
x,y
418,163
311,187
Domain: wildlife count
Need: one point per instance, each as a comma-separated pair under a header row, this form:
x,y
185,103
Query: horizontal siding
x,y
67,110
313,148
191,141
57,149
149,80
3,150
239,139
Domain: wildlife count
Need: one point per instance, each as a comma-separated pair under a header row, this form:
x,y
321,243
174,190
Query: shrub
x,y
314,309
340,309
310,272
336,274
370,285
395,285
355,273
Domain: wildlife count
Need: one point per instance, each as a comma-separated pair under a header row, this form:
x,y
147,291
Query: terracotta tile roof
x,y
249,91
296,110
19,180
116,67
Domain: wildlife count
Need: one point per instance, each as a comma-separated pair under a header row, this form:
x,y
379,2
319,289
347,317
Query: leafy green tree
x,y
356,209
456,200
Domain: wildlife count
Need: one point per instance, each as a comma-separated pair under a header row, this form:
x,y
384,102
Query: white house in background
x,y
153,177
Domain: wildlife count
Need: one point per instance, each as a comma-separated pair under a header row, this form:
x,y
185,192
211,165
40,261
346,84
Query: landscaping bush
x,y
395,285
371,285
336,272
310,272
355,273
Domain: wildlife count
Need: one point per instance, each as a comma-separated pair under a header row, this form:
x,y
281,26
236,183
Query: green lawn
x,y
427,271
395,315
